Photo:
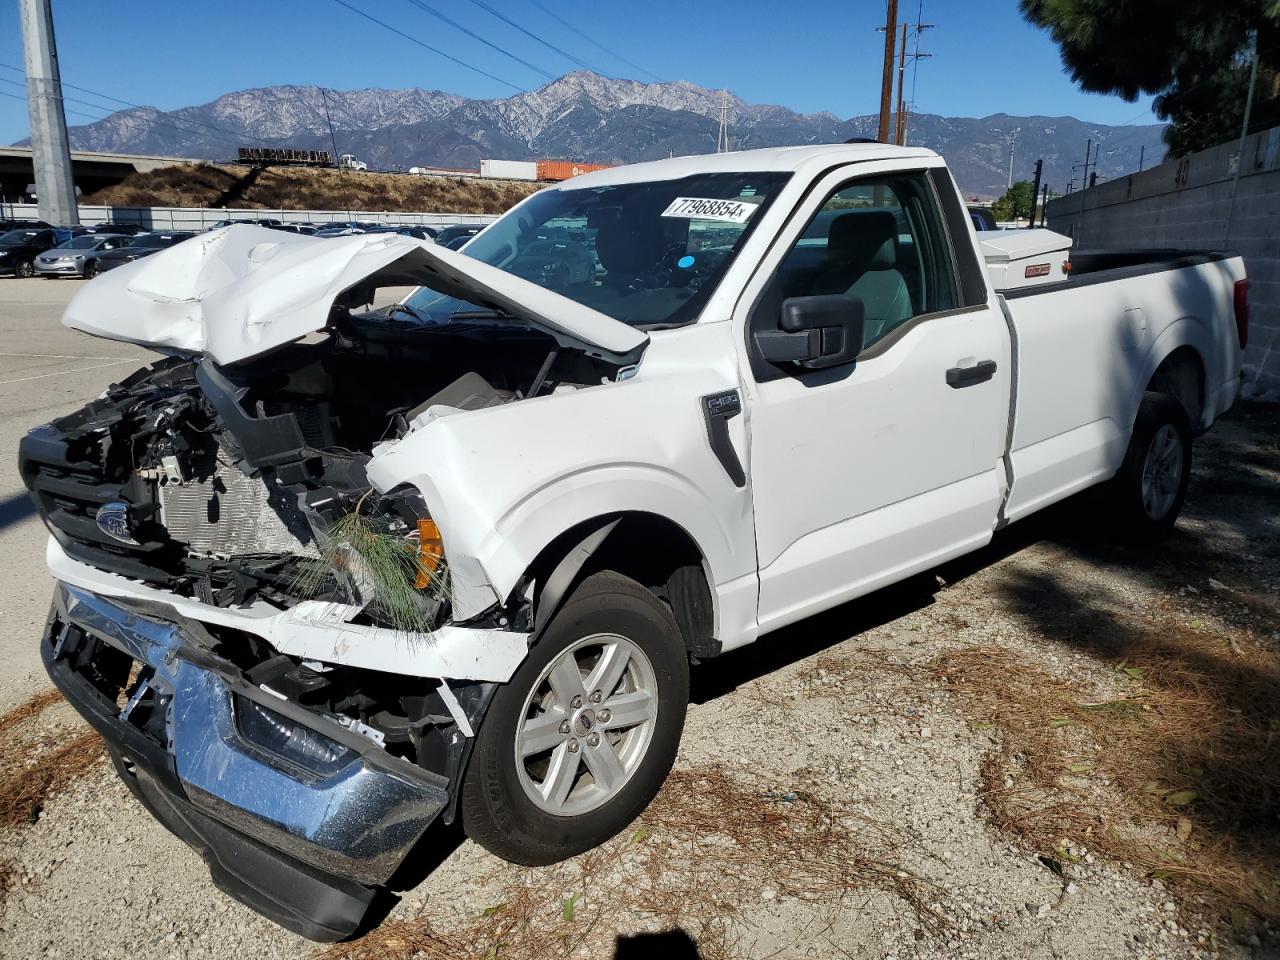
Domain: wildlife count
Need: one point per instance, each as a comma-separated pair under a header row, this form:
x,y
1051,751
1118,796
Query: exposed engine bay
x,y
247,482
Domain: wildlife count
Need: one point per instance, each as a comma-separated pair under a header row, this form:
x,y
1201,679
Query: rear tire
x,y
1149,489
548,779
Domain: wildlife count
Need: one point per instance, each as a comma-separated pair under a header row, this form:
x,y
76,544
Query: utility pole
x,y
886,77
1142,153
50,149
900,127
722,136
1044,204
1035,191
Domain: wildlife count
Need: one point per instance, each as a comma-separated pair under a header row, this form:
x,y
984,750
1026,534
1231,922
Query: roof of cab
x,y
785,159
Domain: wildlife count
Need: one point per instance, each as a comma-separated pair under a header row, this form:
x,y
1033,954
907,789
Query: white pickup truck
x,y
325,574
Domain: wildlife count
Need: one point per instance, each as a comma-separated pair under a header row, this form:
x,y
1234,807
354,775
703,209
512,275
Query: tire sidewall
x,y
91,269
603,603
1155,411
24,269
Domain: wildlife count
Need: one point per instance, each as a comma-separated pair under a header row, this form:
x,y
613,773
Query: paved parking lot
x,y
939,770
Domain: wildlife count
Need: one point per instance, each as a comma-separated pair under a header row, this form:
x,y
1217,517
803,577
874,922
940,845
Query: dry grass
x,y
36,764
306,188
1177,771
699,859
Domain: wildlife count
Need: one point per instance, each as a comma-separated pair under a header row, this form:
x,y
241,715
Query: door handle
x,y
980,372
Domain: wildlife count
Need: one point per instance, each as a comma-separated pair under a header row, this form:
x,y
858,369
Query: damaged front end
x,y
272,647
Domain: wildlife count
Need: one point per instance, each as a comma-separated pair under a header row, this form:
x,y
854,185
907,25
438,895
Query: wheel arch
x,y
1181,374
651,549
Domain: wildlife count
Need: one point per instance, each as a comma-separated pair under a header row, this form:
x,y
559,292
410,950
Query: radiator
x,y
227,514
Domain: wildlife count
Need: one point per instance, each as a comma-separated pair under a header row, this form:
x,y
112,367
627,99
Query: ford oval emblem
x,y
113,520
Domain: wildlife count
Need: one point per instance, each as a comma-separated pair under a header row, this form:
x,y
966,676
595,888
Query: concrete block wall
x,y
1187,204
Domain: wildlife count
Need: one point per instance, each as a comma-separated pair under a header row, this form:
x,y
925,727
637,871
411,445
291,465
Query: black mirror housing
x,y
816,332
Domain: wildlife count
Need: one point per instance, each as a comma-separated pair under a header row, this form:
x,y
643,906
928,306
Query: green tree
x,y
1015,204
1193,55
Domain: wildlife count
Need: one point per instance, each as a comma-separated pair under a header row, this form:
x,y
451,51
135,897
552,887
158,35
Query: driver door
x,y
868,471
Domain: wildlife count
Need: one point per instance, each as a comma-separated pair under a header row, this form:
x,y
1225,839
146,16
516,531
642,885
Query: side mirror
x,y
815,332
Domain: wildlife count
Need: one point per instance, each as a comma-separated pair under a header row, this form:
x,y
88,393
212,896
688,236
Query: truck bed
x,y
1095,338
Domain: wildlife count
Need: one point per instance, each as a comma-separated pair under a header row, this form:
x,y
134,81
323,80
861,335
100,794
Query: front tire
x,y
580,740
91,269
1149,489
24,269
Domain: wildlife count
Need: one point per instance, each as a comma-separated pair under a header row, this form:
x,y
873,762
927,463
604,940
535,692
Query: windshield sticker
x,y
685,262
698,208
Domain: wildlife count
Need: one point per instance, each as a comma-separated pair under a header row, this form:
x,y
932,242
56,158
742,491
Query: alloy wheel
x,y
586,725
1162,472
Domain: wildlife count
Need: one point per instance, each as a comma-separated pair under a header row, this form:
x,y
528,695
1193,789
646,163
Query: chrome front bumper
x,y
174,710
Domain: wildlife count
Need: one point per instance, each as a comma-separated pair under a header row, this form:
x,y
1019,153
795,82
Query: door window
x,y
881,240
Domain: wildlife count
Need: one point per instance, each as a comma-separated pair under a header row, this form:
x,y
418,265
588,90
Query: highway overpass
x,y
92,171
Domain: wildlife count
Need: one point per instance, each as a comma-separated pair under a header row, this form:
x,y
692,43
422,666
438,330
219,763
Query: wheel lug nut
x,y
595,697
564,726
593,740
604,715
576,702
573,746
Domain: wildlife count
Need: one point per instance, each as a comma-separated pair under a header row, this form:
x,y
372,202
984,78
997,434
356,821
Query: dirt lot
x,y
1061,747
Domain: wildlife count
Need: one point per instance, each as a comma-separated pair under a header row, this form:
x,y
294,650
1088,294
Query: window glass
x,y
880,240
649,254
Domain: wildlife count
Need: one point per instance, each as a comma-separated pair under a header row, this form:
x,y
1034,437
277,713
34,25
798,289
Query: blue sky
x,y
809,55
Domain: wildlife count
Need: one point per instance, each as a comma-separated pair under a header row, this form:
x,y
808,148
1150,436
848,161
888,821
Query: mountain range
x,y
590,118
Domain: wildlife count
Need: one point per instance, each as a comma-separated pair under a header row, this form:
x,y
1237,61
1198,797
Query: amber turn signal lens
x,y
430,552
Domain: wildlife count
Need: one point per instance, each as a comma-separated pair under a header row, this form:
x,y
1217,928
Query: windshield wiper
x,y
481,315
405,308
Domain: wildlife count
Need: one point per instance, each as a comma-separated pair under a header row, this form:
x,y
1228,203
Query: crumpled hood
x,y
242,290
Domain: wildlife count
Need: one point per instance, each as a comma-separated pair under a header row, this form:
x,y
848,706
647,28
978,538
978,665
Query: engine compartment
x,y
235,484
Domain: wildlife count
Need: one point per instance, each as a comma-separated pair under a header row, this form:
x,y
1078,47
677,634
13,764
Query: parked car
x,y
79,256
458,558
248,222
143,246
305,229
7,225
19,249
415,230
347,228
983,219
117,229
455,236
66,233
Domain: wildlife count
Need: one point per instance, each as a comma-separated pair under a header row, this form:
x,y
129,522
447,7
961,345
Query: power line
x,y
533,36
595,43
427,8
427,46
78,113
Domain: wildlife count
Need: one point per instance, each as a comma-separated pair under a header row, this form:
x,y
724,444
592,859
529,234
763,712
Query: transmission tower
x,y
722,136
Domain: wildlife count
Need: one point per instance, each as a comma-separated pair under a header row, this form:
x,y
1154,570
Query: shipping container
x,y
564,169
509,169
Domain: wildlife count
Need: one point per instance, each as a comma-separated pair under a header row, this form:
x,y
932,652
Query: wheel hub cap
x,y
586,725
1162,472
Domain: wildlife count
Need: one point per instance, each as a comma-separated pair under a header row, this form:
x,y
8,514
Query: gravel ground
x,y
843,708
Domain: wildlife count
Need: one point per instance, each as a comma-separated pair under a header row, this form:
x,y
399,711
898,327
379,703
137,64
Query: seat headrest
x,y
625,250
866,240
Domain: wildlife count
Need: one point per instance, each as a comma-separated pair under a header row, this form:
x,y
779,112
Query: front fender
x,y
537,519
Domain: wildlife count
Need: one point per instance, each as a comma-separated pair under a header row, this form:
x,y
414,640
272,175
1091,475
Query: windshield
x,y
86,242
648,254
